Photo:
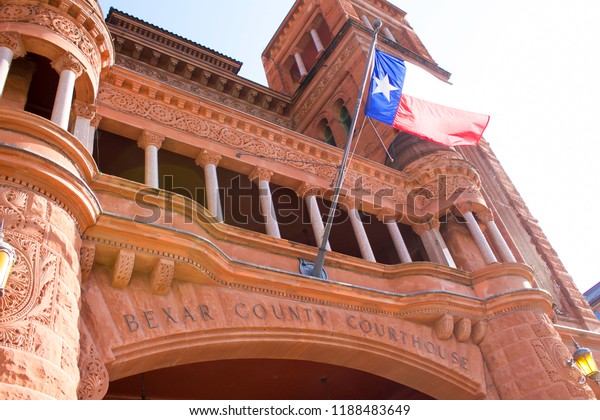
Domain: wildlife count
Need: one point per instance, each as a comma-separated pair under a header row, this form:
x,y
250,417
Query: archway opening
x,y
260,379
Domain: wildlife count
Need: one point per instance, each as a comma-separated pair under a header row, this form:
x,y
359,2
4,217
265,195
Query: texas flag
x,y
430,121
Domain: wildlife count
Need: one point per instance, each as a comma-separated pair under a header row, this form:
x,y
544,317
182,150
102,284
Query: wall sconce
x,y
582,359
7,259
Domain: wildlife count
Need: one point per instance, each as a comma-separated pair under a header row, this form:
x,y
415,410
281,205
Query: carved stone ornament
x,y
478,331
444,327
123,268
14,42
149,138
162,276
84,110
485,216
67,61
306,190
94,381
462,329
260,174
206,157
42,291
44,16
88,252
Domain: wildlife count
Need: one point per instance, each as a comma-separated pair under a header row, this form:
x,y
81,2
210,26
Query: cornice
x,y
123,24
244,96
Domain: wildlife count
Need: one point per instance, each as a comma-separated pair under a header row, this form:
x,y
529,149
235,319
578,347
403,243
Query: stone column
x,y
11,46
359,230
39,313
317,40
84,113
300,64
527,359
208,161
69,69
398,240
434,243
477,234
151,142
497,239
262,177
309,193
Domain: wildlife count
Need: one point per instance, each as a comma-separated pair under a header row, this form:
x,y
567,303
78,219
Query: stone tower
x,y
52,57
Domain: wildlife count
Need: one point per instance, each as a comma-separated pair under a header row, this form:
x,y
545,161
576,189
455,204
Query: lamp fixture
x,y
7,259
584,361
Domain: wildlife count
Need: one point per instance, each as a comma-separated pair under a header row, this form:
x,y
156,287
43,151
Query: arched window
x,y
327,133
345,118
329,136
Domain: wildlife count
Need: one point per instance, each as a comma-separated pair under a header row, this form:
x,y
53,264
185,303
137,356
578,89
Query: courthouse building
x,y
165,213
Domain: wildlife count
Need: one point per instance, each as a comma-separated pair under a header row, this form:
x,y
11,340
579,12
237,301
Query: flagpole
x,y
320,261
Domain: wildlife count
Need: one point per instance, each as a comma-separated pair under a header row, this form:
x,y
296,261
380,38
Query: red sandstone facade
x,y
161,206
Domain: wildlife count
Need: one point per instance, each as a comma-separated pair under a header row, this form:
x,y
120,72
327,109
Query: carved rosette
x,y
40,307
14,42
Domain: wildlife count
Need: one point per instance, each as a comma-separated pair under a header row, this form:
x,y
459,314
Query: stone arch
x,y
316,346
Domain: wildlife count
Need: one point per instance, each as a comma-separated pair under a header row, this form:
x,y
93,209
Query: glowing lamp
x,y
7,259
582,358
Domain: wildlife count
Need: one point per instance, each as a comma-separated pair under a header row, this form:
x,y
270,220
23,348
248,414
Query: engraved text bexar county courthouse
x,y
162,209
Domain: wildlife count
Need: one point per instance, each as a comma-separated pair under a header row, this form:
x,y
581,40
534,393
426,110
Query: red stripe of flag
x,y
438,123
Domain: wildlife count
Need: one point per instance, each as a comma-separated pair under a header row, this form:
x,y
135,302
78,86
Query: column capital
x,y
206,157
421,228
307,189
387,216
95,121
14,42
348,201
148,138
84,110
260,174
485,216
464,207
67,61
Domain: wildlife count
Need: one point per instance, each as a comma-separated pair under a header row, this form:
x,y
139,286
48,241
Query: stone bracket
x,y
123,268
162,276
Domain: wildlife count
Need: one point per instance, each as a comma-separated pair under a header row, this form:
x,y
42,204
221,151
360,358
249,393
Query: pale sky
x,y
529,64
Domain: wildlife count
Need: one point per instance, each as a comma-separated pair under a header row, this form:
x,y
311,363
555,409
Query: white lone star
x,y
384,86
